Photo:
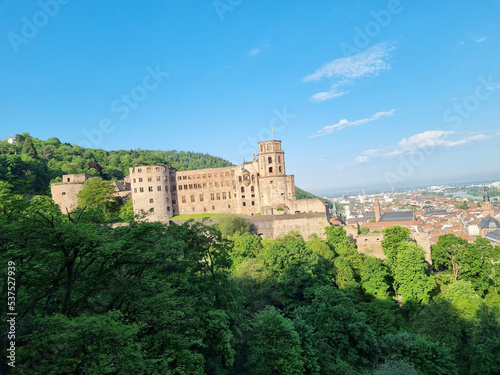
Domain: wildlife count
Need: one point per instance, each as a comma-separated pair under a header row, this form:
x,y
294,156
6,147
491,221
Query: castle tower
x,y
487,206
275,186
152,191
377,209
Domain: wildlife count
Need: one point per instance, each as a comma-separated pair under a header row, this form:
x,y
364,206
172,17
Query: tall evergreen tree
x,y
29,149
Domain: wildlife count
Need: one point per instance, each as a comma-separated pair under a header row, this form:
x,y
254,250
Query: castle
x,y
260,186
257,187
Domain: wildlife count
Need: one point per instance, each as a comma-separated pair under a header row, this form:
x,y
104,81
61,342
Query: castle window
x,y
261,148
168,199
215,174
244,204
139,170
133,180
158,178
149,179
201,197
252,189
190,186
158,188
203,176
193,209
269,160
242,197
224,195
135,190
212,196
239,178
192,198
148,169
69,179
157,168
141,190
270,169
168,208
253,203
218,196
183,199
204,185
63,193
213,207
166,187
242,189
179,178
279,159
185,187
180,187
204,209
228,206
152,209
140,179
280,168
174,201
150,188
184,177
151,200
229,195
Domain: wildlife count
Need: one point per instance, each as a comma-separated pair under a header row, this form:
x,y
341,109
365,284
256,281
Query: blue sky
x,y
363,94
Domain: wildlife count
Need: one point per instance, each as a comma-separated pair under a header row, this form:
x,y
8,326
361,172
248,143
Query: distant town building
x,y
11,140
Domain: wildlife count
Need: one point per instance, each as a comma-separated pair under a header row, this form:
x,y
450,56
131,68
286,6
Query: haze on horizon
x,y
362,94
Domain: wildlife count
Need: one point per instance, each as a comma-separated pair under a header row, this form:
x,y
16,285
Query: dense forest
x,y
147,298
30,164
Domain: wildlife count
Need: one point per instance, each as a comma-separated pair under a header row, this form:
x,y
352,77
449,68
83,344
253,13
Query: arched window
x,y
239,178
269,160
242,189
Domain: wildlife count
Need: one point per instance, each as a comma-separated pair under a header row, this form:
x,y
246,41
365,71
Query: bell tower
x,y
271,159
487,206
275,186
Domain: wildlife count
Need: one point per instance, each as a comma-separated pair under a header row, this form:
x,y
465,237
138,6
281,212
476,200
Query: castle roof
x,y
493,236
489,222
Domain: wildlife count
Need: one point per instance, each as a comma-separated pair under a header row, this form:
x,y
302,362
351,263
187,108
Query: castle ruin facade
x,y
260,186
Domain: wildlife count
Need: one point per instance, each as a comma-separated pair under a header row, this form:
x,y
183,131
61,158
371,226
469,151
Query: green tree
x,y
411,280
393,238
98,196
275,345
445,252
395,367
375,278
29,148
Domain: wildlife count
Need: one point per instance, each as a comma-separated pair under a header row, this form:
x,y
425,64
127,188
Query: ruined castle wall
x,y
64,195
307,205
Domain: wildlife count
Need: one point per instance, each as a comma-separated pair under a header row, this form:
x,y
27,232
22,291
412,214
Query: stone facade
x,y
259,186
64,193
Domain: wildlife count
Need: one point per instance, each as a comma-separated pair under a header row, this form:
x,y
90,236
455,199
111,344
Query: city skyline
x,y
385,94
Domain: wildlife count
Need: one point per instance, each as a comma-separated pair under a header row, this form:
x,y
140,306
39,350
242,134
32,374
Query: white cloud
x,y
344,123
492,88
479,40
254,52
346,70
427,141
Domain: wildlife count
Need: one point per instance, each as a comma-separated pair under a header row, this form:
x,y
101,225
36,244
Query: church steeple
x,y
487,206
486,198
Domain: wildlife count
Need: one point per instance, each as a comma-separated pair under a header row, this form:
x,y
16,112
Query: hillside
x,y
31,164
